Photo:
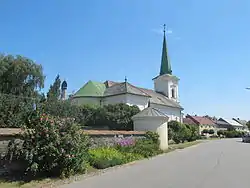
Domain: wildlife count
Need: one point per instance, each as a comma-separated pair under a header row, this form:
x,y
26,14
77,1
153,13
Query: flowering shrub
x,y
146,147
53,147
104,157
101,158
126,142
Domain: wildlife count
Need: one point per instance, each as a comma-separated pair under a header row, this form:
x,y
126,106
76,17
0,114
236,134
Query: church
x,y
164,97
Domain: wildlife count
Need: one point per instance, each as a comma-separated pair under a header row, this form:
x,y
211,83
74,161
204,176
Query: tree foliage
x,y
20,76
54,90
51,147
179,132
14,110
248,125
211,131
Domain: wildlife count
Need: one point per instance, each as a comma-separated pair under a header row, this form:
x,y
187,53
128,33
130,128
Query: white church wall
x,y
165,84
96,101
140,101
162,86
116,99
174,114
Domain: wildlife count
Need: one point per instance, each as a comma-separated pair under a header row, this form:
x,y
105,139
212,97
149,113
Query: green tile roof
x,y
165,63
91,89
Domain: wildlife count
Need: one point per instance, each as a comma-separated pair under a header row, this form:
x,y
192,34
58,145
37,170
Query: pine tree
x,y
54,90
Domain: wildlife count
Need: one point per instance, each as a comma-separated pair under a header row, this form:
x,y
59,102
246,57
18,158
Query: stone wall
x,y
98,141
98,138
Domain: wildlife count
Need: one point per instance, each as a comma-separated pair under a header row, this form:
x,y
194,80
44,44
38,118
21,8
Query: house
x,y
164,97
202,122
229,123
242,122
222,125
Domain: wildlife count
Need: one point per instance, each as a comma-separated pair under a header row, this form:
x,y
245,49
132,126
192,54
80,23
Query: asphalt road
x,y
213,164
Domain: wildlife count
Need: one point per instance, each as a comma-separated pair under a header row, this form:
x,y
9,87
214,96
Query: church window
x,y
173,93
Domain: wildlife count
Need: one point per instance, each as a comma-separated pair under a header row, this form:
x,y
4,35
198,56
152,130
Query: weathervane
x,y
164,28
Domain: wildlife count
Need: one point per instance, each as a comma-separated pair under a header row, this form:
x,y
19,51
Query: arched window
x,y
173,93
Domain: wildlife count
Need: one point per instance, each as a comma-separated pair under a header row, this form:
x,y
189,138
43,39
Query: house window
x,y
173,92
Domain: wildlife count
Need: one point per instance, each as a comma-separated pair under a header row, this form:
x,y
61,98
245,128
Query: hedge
x,y
14,112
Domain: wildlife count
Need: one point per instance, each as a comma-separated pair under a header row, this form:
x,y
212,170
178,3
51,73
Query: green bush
x,y
233,134
118,117
193,133
153,136
173,128
52,147
105,157
220,133
14,110
130,157
64,109
101,158
211,131
179,132
146,148
205,131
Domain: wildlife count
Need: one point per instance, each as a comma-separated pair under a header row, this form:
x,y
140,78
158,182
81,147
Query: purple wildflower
x,y
126,142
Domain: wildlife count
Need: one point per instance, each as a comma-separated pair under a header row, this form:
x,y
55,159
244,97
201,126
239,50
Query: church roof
x,y
150,112
98,89
123,88
165,63
91,89
158,98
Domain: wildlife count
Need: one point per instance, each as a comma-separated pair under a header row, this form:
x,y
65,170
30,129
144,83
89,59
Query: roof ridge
x,y
138,89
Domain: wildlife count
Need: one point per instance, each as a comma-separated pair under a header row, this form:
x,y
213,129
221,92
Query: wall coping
x,y
18,131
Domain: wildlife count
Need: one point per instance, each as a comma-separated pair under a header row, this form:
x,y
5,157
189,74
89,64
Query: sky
x,y
208,44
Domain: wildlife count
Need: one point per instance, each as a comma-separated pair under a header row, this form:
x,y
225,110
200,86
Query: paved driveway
x,y
213,164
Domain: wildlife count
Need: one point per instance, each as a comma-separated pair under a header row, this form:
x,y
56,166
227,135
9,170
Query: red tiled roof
x,y
110,83
201,120
189,121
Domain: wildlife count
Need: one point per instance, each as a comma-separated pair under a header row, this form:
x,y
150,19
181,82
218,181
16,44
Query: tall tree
x,y
54,90
20,76
248,125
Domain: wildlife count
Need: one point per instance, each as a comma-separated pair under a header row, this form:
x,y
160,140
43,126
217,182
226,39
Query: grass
x,y
48,183
173,147
45,183
41,183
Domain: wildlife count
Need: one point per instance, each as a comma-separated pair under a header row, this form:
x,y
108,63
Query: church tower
x,y
165,82
64,90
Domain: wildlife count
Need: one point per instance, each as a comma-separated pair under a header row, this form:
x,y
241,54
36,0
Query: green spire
x,y
165,63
